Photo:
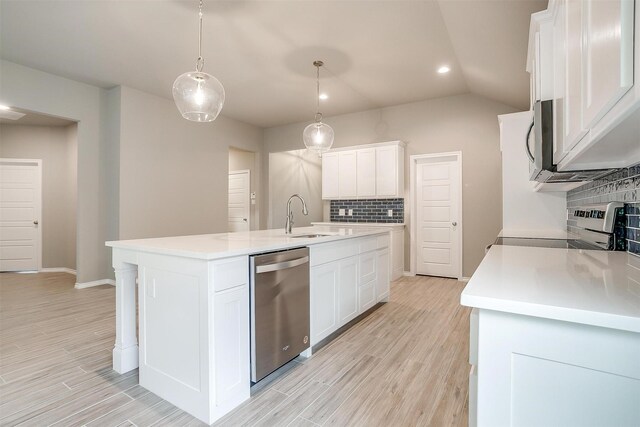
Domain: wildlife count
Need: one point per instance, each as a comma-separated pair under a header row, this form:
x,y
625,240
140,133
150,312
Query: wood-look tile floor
x,y
404,365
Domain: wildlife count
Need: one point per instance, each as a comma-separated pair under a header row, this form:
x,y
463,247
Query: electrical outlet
x,y
350,212
390,212
341,212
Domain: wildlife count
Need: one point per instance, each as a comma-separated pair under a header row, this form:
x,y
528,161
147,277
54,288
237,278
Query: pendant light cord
x,y
318,113
200,60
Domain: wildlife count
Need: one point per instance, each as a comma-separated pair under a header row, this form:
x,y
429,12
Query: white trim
x,y
408,274
57,270
463,279
413,160
95,283
372,145
38,164
240,172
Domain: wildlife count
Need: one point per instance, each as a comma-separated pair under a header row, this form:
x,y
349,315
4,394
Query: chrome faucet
x,y
289,224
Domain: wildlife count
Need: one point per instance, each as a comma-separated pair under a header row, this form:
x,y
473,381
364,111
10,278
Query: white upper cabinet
x,y
364,172
330,189
589,52
347,161
608,55
573,125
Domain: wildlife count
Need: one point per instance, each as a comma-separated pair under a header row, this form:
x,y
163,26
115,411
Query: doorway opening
x,y
242,198
38,193
436,214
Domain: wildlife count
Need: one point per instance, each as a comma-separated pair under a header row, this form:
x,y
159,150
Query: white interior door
x,y
438,229
239,201
20,215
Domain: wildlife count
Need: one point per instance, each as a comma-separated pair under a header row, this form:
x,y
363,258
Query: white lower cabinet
x,y
346,283
231,346
541,372
348,290
324,284
382,279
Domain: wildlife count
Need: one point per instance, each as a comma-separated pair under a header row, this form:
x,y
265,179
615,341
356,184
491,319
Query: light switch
x,y
390,212
341,212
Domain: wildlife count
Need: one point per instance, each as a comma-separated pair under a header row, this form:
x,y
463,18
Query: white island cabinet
x,y
193,304
555,338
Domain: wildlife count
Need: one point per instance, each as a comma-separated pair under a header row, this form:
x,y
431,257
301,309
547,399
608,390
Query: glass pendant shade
x,y
199,96
318,137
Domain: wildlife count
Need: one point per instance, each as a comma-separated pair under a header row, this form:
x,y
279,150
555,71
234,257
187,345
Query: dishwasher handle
x,y
282,265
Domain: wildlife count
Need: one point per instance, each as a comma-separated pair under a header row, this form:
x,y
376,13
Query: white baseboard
x,y
408,273
57,270
463,279
95,283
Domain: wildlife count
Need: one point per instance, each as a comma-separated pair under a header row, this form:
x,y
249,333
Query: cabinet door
x,y
382,279
366,173
573,122
396,253
324,294
608,55
347,174
330,176
231,342
559,80
348,290
387,171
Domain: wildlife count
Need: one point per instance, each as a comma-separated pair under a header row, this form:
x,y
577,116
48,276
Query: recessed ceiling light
x,y
4,107
323,96
444,69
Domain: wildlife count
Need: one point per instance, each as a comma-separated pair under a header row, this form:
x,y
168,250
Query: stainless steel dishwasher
x,y
279,309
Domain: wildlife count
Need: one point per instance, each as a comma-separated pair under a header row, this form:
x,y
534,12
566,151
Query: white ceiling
x,y
377,53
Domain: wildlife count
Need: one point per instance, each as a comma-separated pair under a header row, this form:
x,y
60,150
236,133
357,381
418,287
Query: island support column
x,y
125,351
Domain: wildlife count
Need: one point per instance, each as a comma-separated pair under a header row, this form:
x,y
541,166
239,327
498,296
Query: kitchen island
x,y
194,307
554,337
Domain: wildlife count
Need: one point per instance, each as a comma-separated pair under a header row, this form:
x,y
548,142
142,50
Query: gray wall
x,y
248,160
173,172
291,172
45,93
56,146
467,123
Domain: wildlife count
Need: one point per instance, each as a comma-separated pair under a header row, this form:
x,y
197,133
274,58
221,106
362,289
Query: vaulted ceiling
x,y
377,53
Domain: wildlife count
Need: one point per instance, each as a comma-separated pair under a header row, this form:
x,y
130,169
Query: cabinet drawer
x,y
366,297
367,268
229,273
328,252
383,241
368,244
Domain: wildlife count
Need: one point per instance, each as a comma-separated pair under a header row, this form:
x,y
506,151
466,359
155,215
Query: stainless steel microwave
x,y
539,148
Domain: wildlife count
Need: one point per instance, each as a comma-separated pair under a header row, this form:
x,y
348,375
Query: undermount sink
x,y
309,236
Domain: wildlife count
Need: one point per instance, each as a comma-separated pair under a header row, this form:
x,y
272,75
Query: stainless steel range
x,y
599,227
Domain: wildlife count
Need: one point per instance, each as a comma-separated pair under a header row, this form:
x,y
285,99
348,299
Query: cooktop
x,y
546,243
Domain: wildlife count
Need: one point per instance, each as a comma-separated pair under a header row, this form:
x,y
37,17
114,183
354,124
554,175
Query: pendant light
x,y
199,96
318,136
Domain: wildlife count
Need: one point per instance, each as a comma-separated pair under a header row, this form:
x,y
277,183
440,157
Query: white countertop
x,y
360,224
224,245
599,288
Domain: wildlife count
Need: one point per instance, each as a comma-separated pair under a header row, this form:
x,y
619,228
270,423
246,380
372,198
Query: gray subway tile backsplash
x,y
620,186
368,210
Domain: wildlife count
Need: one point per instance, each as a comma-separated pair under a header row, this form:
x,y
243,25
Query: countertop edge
x,y
239,252
583,317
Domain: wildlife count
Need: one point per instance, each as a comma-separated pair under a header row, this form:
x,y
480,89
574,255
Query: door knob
x,y
454,223
35,222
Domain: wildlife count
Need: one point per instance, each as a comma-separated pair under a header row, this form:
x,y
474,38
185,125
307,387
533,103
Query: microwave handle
x,y
527,148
